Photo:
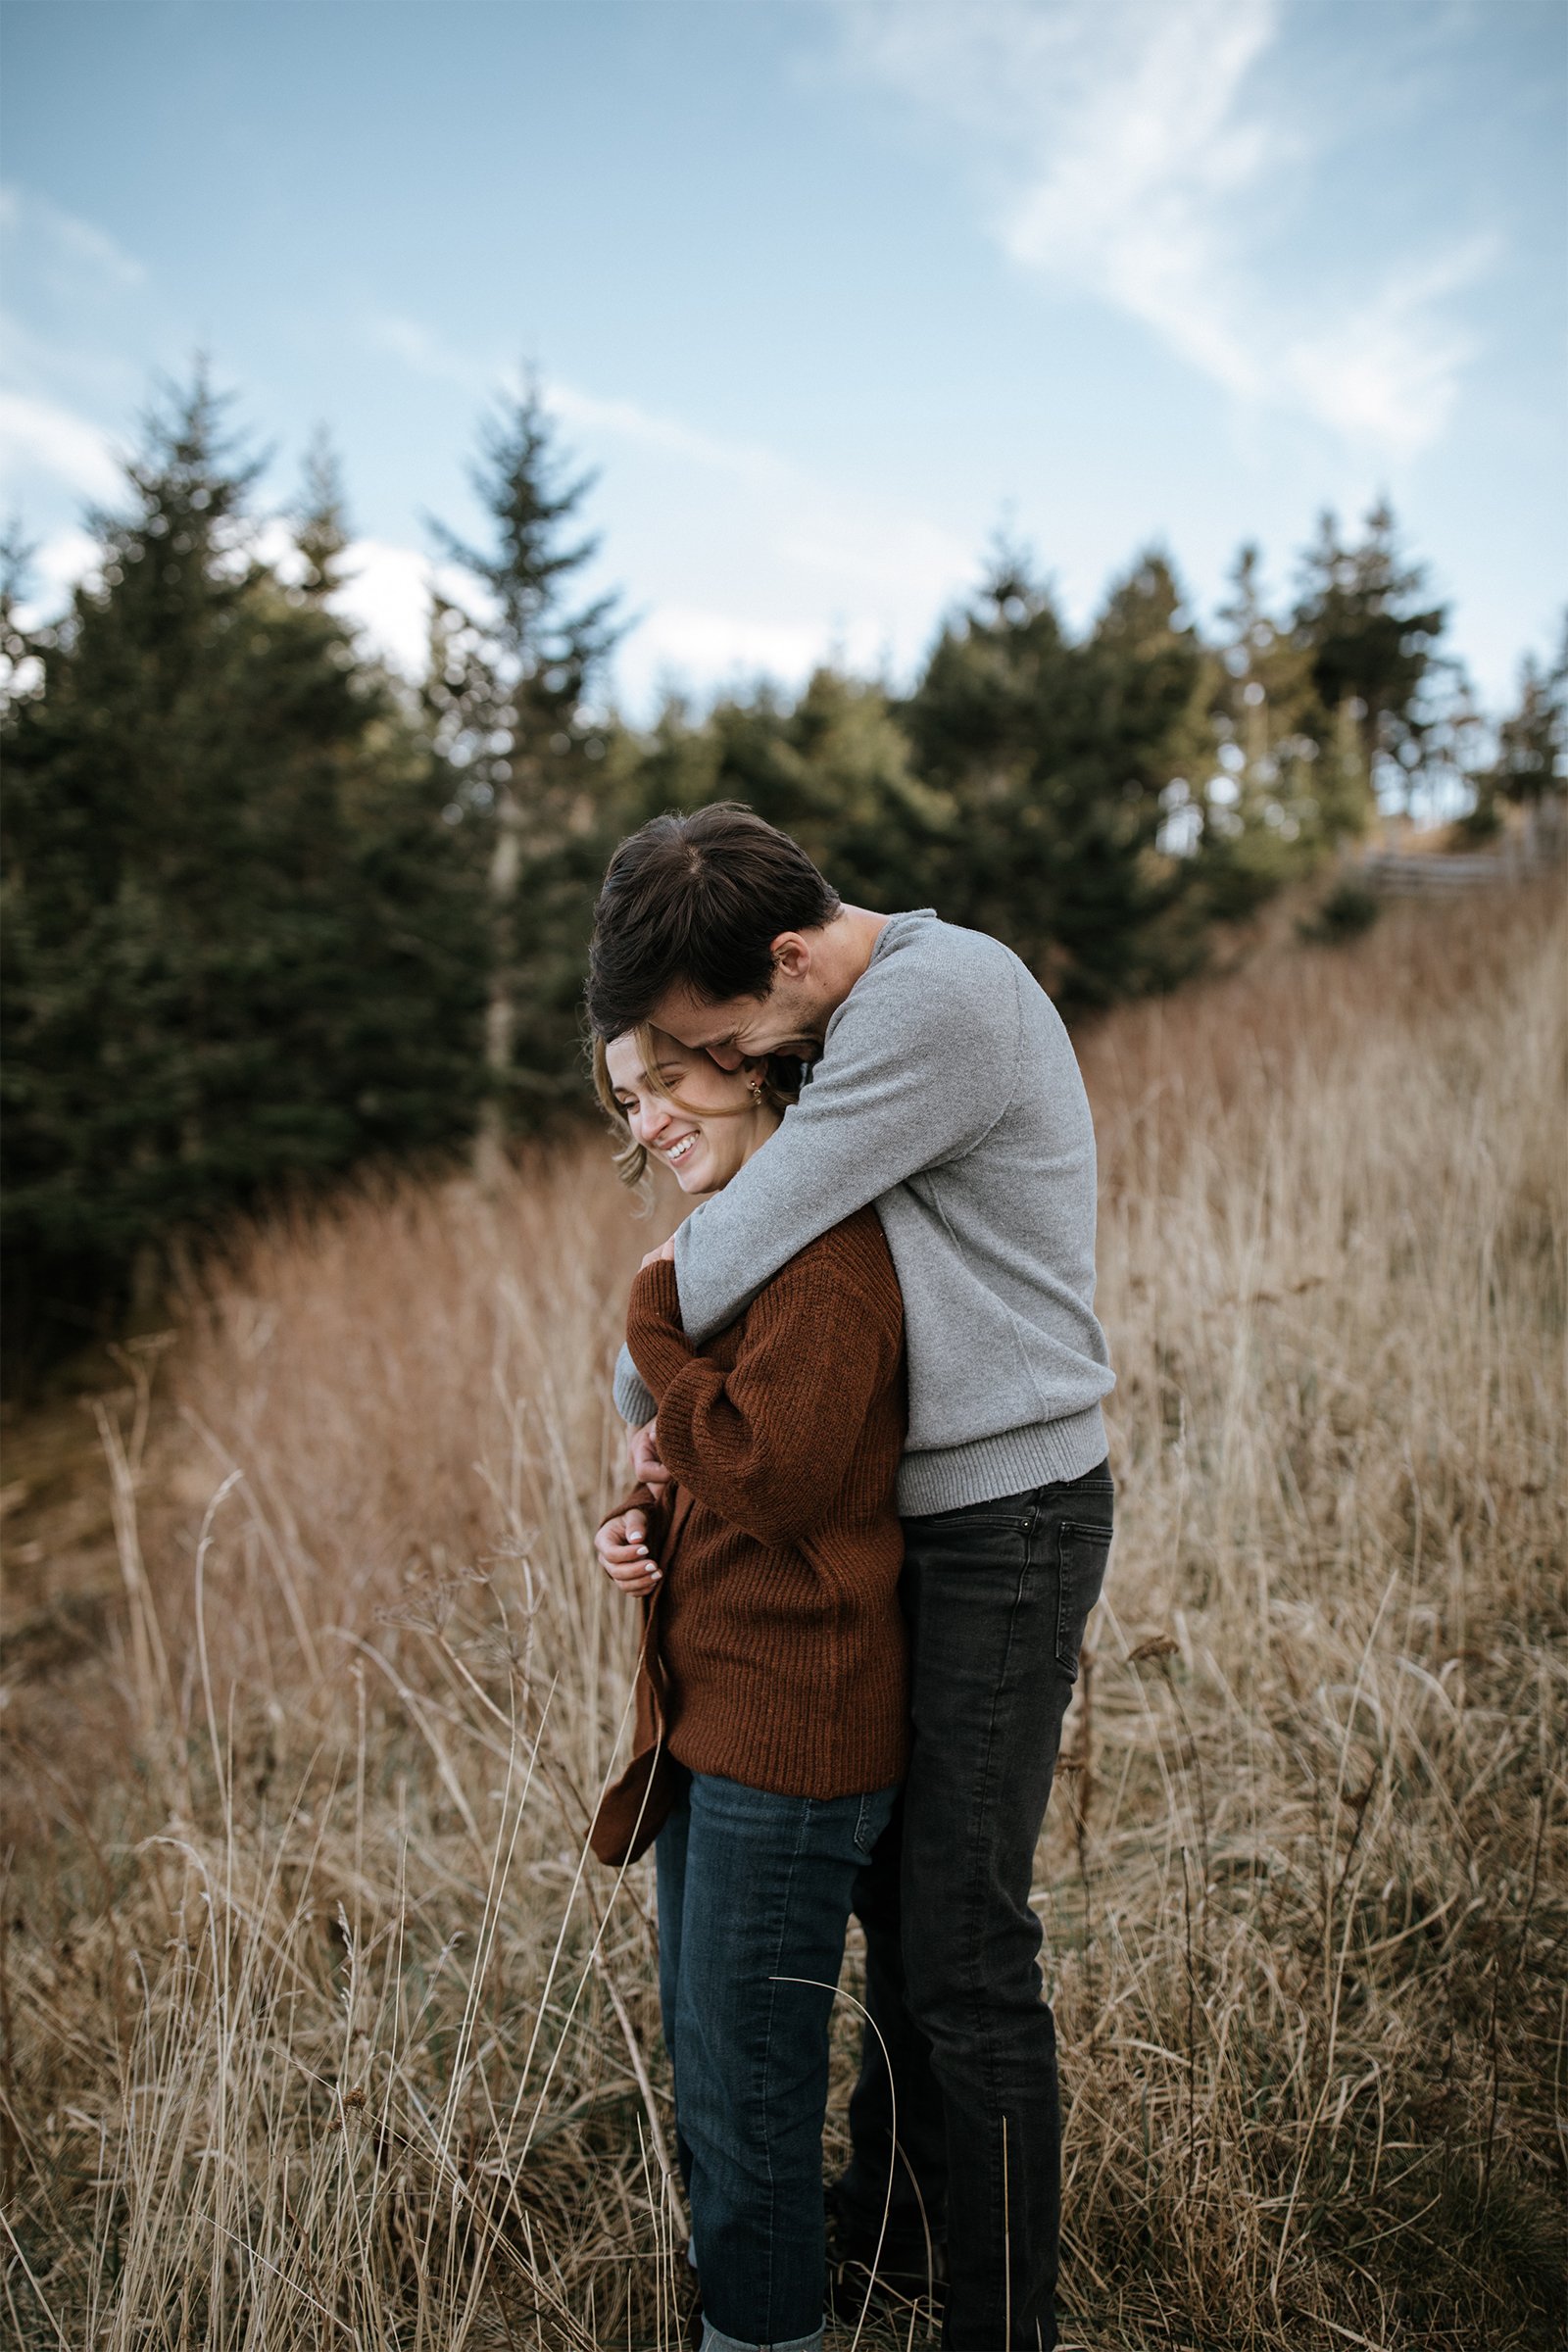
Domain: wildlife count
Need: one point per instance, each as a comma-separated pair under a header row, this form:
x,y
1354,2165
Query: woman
x,y
775,1669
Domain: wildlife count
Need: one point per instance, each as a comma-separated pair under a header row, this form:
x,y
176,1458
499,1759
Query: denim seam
x,y
1066,1530
773,1990
985,1787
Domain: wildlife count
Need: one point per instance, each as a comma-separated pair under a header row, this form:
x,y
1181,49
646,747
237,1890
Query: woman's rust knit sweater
x,y
777,1631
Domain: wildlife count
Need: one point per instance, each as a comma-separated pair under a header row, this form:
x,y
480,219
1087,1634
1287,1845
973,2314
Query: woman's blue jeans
x,y
755,1890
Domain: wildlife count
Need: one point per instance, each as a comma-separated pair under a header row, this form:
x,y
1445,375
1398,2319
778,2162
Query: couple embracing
x,y
873,1516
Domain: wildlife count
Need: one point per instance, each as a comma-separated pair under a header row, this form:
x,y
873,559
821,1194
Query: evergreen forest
x,y
274,912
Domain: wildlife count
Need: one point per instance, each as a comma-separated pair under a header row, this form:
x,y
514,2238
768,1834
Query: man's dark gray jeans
x,y
996,1595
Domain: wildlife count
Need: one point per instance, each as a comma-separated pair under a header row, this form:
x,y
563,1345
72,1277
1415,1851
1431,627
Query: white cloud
x,y
386,594
795,546
424,353
55,567
706,647
385,597
1131,154
1143,157
851,540
53,440
63,237
429,355
774,568
1392,359
627,421
699,649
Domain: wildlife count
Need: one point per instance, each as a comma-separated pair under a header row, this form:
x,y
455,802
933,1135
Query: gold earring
x,y
754,1089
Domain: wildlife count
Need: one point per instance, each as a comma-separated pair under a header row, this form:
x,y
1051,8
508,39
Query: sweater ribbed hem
x,y
791,1768
952,1476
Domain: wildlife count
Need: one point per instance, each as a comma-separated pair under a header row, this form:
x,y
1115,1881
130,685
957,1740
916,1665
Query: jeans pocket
x,y
978,1519
1082,1554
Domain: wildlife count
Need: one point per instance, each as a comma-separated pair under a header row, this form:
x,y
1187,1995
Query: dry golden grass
x,y
318,2031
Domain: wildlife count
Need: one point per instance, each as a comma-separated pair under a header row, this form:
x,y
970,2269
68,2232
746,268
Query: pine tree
x,y
411,898
1362,616
1057,757
1531,769
981,725
321,527
1279,800
222,969
830,766
506,691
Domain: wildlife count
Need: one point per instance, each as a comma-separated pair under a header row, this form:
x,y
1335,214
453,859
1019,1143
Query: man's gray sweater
x,y
947,1092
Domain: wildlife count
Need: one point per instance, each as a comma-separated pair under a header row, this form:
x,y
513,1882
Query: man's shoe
x,y
853,2289
906,2268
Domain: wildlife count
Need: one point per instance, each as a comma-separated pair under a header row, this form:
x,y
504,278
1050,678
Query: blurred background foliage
x,y
273,912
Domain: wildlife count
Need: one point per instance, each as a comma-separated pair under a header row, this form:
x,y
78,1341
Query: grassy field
x,y
320,2031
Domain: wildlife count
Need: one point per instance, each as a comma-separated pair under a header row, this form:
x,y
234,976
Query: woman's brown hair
x,y
781,1084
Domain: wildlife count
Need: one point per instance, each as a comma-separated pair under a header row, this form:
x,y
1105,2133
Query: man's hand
x,y
623,1549
646,1467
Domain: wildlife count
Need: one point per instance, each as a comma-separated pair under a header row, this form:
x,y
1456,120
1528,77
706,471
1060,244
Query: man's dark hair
x,y
697,900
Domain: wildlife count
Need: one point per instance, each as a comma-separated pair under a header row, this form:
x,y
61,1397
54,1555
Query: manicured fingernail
x,y
643,1548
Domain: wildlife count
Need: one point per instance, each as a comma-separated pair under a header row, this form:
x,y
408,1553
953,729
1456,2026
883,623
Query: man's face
x,y
786,1020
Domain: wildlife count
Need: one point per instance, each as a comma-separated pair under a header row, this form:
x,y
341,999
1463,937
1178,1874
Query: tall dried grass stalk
x,y
318,2029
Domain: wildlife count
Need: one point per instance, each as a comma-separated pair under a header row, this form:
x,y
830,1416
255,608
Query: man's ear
x,y
791,956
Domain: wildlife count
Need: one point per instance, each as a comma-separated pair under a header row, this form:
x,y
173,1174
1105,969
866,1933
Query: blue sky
x,y
828,290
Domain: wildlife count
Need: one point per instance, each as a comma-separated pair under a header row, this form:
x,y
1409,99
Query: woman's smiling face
x,y
701,1122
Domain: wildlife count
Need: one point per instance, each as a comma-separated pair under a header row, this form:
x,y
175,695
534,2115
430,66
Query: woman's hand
x,y
666,1249
623,1549
642,1452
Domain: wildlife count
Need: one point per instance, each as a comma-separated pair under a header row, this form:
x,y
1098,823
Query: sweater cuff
x,y
641,1499
659,1346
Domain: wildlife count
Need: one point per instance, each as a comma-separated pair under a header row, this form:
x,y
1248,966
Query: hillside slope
x,y
317,2026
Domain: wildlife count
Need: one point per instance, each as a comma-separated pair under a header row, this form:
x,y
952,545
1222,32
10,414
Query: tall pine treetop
x,y
182,546
524,488
1363,614
320,522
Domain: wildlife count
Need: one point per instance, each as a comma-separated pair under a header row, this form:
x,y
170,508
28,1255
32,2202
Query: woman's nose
x,y
648,1121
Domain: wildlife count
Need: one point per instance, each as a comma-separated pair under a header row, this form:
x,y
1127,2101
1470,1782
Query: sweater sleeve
x,y
920,1062
654,1508
767,1443
633,1401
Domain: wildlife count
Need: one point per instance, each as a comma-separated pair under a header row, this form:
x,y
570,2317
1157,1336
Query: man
x,y
945,1089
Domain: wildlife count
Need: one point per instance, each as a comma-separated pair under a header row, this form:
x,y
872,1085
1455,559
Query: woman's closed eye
x,y
669,1075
